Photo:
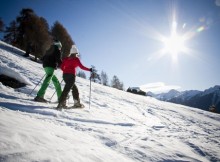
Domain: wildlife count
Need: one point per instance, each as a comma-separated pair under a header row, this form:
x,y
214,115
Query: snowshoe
x,y
70,107
40,99
59,108
78,105
62,105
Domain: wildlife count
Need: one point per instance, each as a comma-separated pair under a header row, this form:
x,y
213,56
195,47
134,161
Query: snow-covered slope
x,y
119,126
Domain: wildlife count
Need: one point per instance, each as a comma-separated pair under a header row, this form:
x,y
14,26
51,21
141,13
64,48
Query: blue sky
x,y
126,37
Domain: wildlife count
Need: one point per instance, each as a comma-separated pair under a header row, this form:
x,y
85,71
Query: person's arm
x,y
58,57
82,66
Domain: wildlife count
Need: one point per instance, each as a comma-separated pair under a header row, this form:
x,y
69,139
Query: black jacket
x,y
52,58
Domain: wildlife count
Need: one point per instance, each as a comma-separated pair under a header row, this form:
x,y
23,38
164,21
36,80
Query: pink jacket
x,y
70,64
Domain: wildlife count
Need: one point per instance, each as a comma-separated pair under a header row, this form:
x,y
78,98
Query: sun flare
x,y
174,45
177,42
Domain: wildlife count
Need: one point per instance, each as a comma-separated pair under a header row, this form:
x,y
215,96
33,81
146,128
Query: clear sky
x,y
167,42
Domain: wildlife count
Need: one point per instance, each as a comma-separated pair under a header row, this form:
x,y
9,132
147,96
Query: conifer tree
x,y
115,83
60,33
24,24
33,30
10,33
1,25
95,76
28,28
104,78
129,89
81,74
39,36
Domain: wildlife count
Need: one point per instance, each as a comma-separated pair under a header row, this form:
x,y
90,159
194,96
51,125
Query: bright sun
x,y
175,44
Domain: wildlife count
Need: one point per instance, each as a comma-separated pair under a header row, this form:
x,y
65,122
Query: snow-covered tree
x,y
116,83
81,74
104,78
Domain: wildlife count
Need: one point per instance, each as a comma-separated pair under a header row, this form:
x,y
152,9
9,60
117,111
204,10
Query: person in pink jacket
x,y
68,67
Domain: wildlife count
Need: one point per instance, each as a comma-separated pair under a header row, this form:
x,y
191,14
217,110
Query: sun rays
x,y
176,43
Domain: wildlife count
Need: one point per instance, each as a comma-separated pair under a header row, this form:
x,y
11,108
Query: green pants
x,y
50,75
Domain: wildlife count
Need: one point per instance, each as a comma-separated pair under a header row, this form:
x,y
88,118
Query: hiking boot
x,y
77,104
62,105
40,99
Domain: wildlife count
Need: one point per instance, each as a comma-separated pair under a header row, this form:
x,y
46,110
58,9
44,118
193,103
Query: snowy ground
x,y
119,126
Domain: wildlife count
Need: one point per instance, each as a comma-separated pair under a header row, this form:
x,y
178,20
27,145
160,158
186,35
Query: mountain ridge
x,y
193,98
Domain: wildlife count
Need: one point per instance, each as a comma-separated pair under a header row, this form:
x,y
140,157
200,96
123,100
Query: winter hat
x,y
74,50
58,44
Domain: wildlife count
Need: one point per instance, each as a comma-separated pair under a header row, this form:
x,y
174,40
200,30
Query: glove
x,y
91,70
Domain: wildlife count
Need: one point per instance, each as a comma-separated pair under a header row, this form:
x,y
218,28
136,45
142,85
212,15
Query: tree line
x,y
103,79
30,30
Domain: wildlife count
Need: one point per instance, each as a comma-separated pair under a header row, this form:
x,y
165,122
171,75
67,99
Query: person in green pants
x,y
51,60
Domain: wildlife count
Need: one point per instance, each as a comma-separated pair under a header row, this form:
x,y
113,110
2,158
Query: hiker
x,y
68,67
51,60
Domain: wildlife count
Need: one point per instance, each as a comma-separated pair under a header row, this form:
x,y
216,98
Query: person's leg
x,y
49,74
57,86
75,93
69,80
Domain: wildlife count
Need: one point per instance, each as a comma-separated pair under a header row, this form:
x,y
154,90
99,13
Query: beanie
x,y
74,50
58,44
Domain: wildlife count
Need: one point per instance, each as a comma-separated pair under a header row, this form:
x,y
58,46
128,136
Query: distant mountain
x,y
205,99
194,98
167,96
179,97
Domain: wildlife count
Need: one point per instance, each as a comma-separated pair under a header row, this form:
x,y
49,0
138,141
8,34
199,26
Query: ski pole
x,y
55,91
90,87
37,84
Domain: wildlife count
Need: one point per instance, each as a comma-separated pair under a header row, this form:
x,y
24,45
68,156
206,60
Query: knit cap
x,y
74,50
58,44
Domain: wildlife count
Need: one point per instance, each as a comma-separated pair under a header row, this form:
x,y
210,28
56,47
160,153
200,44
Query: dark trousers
x,y
69,80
